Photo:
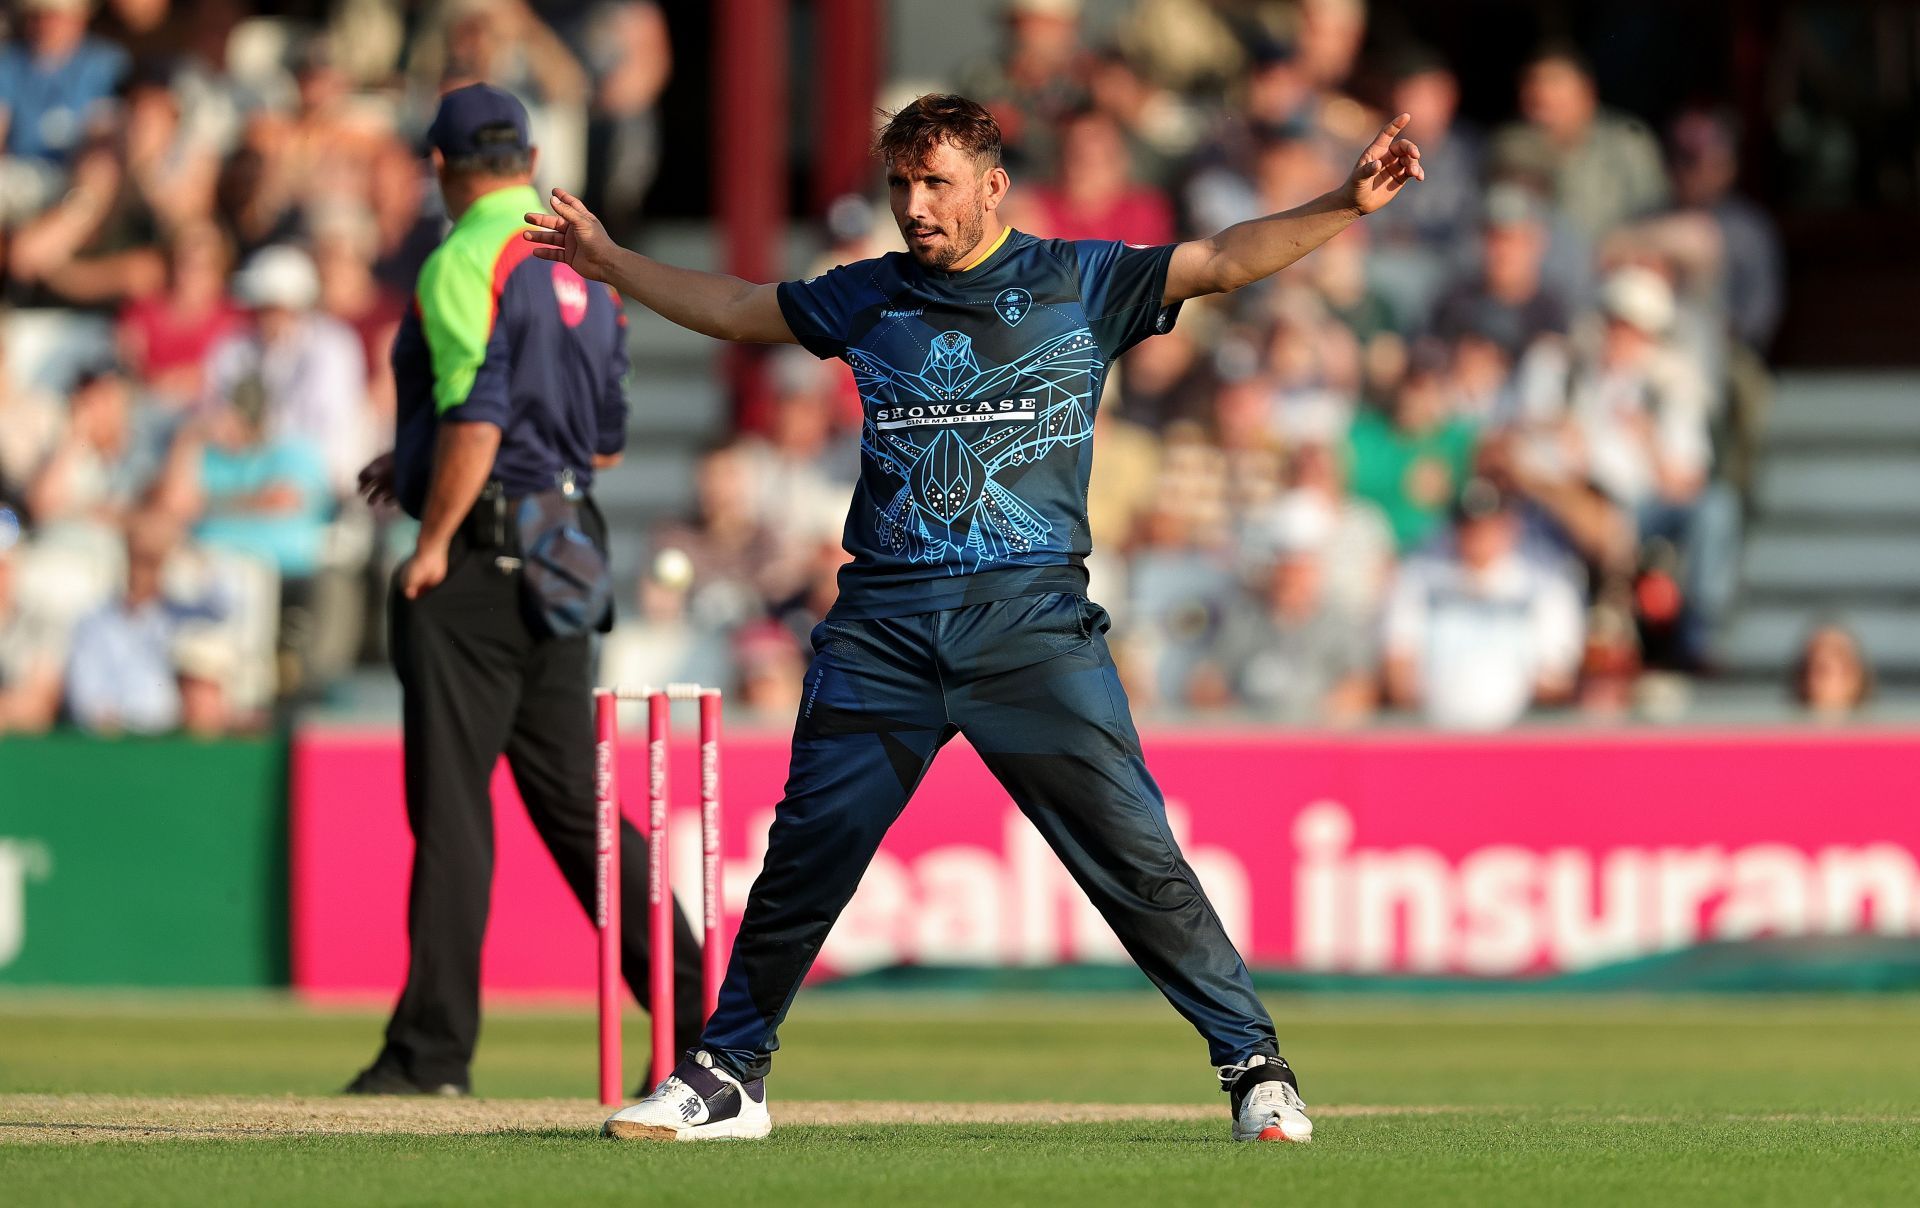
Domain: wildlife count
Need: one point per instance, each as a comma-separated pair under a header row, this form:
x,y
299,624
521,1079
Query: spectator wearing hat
x,y
1724,253
1475,633
307,364
1635,417
1639,414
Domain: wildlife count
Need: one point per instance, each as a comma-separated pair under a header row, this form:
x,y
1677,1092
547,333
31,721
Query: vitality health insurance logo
x,y
1506,909
21,860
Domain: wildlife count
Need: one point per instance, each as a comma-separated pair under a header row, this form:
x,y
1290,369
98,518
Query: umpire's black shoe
x,y
378,1079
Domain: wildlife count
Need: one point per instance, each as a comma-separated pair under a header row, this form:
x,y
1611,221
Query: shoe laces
x,y
1267,1092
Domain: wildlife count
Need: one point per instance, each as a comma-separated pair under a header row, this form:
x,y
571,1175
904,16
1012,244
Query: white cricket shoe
x,y
1266,1101
699,1101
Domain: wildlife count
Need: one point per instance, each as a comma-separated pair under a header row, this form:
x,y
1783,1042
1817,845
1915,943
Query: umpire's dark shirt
x,y
497,335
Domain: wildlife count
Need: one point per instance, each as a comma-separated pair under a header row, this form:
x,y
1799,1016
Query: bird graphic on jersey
x,y
949,508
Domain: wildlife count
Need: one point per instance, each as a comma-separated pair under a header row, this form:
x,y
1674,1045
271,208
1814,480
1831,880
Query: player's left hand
x,y
1385,167
424,571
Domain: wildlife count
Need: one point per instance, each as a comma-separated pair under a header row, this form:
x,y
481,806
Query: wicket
x,y
607,817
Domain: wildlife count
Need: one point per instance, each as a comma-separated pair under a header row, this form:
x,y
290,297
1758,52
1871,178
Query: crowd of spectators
x,y
1482,453
1485,451
210,223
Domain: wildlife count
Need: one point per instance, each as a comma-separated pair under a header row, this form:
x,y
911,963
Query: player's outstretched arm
x,y
1250,251
712,304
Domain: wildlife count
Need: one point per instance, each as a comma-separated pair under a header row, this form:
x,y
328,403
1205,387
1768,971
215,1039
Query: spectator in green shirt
x,y
1412,460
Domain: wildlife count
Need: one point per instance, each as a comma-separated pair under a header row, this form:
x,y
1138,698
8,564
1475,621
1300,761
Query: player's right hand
x,y
573,236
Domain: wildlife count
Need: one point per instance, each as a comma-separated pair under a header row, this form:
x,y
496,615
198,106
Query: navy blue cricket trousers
x,y
1031,684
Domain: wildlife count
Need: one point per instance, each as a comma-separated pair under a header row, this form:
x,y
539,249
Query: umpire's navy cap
x,y
464,112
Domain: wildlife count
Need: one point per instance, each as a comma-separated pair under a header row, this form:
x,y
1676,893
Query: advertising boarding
x,y
1516,856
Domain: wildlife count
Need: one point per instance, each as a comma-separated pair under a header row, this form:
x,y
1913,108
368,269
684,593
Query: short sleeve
x,y
820,310
457,304
1121,289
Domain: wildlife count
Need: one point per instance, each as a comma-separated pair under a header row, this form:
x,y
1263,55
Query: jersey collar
x,y
513,199
983,257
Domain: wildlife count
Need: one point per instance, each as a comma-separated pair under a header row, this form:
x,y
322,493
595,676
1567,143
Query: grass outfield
x,y
948,1100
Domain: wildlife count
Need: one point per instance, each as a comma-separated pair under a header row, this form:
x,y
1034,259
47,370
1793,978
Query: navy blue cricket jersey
x,y
979,389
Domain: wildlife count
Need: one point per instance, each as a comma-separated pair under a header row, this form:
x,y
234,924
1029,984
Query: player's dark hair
x,y
499,154
912,133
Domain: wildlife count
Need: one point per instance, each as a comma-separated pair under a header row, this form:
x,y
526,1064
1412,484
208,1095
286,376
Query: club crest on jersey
x,y
1013,305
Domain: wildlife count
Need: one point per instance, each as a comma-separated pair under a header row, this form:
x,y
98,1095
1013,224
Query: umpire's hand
x,y
376,480
424,571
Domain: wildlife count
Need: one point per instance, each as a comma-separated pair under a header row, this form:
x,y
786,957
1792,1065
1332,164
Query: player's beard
x,y
962,243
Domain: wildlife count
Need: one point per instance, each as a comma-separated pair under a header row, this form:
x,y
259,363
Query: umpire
x,y
509,372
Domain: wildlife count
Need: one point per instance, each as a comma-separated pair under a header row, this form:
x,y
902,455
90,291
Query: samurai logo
x,y
949,508
1013,305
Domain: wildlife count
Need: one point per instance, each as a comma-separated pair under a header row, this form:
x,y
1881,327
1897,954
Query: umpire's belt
x,y
550,538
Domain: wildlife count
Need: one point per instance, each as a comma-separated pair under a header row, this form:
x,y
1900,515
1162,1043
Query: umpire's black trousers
x,y
479,682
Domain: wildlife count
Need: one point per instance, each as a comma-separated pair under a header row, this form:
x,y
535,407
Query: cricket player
x,y
980,355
